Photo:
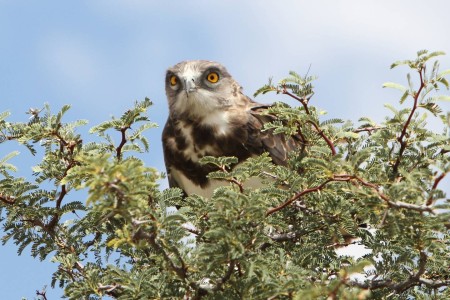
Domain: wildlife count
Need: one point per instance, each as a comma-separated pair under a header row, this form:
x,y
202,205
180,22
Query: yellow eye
x,y
173,80
213,77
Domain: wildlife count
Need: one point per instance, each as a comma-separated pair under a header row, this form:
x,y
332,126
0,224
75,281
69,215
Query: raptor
x,y
210,116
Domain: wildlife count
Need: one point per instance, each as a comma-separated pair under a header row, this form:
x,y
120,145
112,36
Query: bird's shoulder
x,y
279,146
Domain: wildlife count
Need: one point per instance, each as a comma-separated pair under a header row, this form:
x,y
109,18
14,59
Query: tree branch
x,y
352,179
324,137
399,287
434,187
304,102
400,139
233,180
367,129
123,141
396,204
191,229
96,238
181,271
55,218
225,277
110,289
297,196
42,294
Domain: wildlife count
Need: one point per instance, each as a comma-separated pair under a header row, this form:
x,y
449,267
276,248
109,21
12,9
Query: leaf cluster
x,y
98,212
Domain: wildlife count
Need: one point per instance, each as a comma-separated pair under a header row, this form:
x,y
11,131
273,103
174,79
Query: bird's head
x,y
197,88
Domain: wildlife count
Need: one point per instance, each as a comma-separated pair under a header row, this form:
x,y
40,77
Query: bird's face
x,y
198,88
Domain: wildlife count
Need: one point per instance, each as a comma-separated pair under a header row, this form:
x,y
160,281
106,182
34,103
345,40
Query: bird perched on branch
x,y
210,116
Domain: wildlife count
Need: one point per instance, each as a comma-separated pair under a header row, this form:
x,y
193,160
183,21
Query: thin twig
x,y
301,100
227,275
400,139
42,294
304,102
181,271
367,129
396,204
191,229
413,280
55,218
233,180
296,197
123,141
353,179
110,289
326,139
434,187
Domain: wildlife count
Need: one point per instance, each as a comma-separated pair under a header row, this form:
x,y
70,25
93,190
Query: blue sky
x,y
100,56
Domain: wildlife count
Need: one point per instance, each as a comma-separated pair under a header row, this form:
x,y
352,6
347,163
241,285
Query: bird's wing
x,y
277,145
168,138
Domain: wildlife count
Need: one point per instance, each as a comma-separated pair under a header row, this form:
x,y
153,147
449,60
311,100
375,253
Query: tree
x,y
377,185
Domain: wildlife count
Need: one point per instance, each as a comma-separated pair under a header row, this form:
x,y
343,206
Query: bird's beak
x,y
189,86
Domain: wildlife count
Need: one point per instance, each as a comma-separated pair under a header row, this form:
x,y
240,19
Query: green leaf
x,y
443,73
404,97
4,115
442,98
434,54
347,134
218,161
399,63
444,81
394,85
391,108
9,156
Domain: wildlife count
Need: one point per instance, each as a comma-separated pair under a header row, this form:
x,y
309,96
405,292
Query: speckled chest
x,y
195,140
186,141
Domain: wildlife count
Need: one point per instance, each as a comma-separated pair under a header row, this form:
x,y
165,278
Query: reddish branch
x,y
326,139
181,270
4,137
110,289
233,180
239,184
42,294
434,187
376,188
401,138
367,129
297,196
71,163
191,229
226,277
304,102
122,142
54,220
354,180
399,287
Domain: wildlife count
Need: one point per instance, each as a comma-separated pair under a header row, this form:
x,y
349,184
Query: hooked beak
x,y
189,86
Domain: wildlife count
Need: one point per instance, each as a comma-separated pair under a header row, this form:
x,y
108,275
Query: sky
x,y
100,56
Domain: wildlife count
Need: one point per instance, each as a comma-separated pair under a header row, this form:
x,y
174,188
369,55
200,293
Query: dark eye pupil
x,y
213,77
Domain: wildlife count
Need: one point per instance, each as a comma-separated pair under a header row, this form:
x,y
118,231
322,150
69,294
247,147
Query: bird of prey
x,y
210,116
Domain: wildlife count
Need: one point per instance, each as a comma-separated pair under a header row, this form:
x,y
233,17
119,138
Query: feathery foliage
x,y
374,185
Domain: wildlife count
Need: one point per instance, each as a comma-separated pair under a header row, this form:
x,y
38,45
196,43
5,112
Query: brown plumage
x,y
210,116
